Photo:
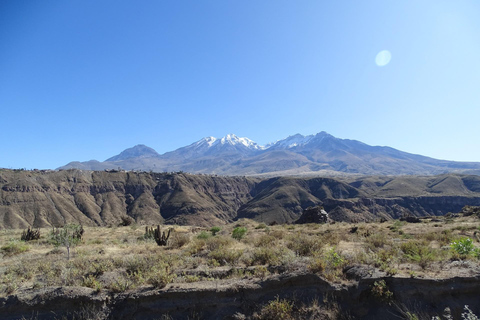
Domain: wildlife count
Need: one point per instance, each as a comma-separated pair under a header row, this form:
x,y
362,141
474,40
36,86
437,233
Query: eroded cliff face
x,y
239,299
100,198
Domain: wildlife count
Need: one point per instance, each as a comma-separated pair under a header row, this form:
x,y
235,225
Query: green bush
x,y
215,230
68,236
203,235
418,252
239,232
330,263
462,246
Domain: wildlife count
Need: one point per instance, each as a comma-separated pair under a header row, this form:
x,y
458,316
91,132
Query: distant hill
x,y
101,198
320,154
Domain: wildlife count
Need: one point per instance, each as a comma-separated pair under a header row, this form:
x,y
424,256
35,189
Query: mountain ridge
x,y
318,154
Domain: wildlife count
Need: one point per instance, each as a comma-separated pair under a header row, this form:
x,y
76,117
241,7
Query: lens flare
x,y
383,58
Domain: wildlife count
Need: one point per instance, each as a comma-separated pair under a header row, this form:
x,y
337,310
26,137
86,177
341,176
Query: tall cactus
x,y
160,237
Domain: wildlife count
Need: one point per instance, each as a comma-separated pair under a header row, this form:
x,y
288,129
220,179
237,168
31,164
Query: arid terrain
x,y
100,198
248,270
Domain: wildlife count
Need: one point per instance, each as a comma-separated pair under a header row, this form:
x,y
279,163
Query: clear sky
x,y
86,79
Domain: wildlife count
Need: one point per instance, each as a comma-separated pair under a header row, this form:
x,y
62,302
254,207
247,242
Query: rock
x,y
313,215
410,219
357,272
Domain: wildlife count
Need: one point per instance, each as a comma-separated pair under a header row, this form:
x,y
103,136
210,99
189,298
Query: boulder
x,y
313,215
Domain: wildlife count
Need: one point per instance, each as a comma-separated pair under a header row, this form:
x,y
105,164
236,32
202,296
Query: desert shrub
x,y
51,270
278,234
196,246
385,257
225,256
218,242
215,230
121,284
330,263
265,240
397,225
333,258
462,246
179,240
238,233
332,238
91,282
419,252
376,240
277,310
304,245
15,275
203,235
88,266
154,269
261,226
14,247
445,237
264,255
381,291
159,276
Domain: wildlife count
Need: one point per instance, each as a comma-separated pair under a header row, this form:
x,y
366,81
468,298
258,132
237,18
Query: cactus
x,y
160,237
30,234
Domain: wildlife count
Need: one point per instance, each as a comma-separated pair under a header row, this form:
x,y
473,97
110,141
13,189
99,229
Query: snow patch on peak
x,y
292,141
233,140
209,140
206,142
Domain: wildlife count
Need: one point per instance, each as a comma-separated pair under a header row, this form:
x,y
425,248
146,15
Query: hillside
x,y
103,198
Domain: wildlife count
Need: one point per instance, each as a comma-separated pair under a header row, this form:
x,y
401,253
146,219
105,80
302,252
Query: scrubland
x,y
125,258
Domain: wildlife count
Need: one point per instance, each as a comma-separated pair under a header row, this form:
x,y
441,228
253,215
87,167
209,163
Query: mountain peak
x,y
138,151
233,140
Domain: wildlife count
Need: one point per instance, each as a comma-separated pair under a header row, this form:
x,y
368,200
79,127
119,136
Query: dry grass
x,y
120,259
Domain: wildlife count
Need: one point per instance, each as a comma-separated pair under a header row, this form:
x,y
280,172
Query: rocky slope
x,y
100,198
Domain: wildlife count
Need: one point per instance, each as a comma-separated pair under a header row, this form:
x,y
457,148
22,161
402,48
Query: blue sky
x,y
83,80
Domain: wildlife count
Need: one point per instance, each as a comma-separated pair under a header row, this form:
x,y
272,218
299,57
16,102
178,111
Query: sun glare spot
x,y
383,58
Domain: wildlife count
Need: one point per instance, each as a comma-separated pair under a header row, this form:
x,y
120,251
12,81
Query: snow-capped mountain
x,y
321,153
229,139
229,145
